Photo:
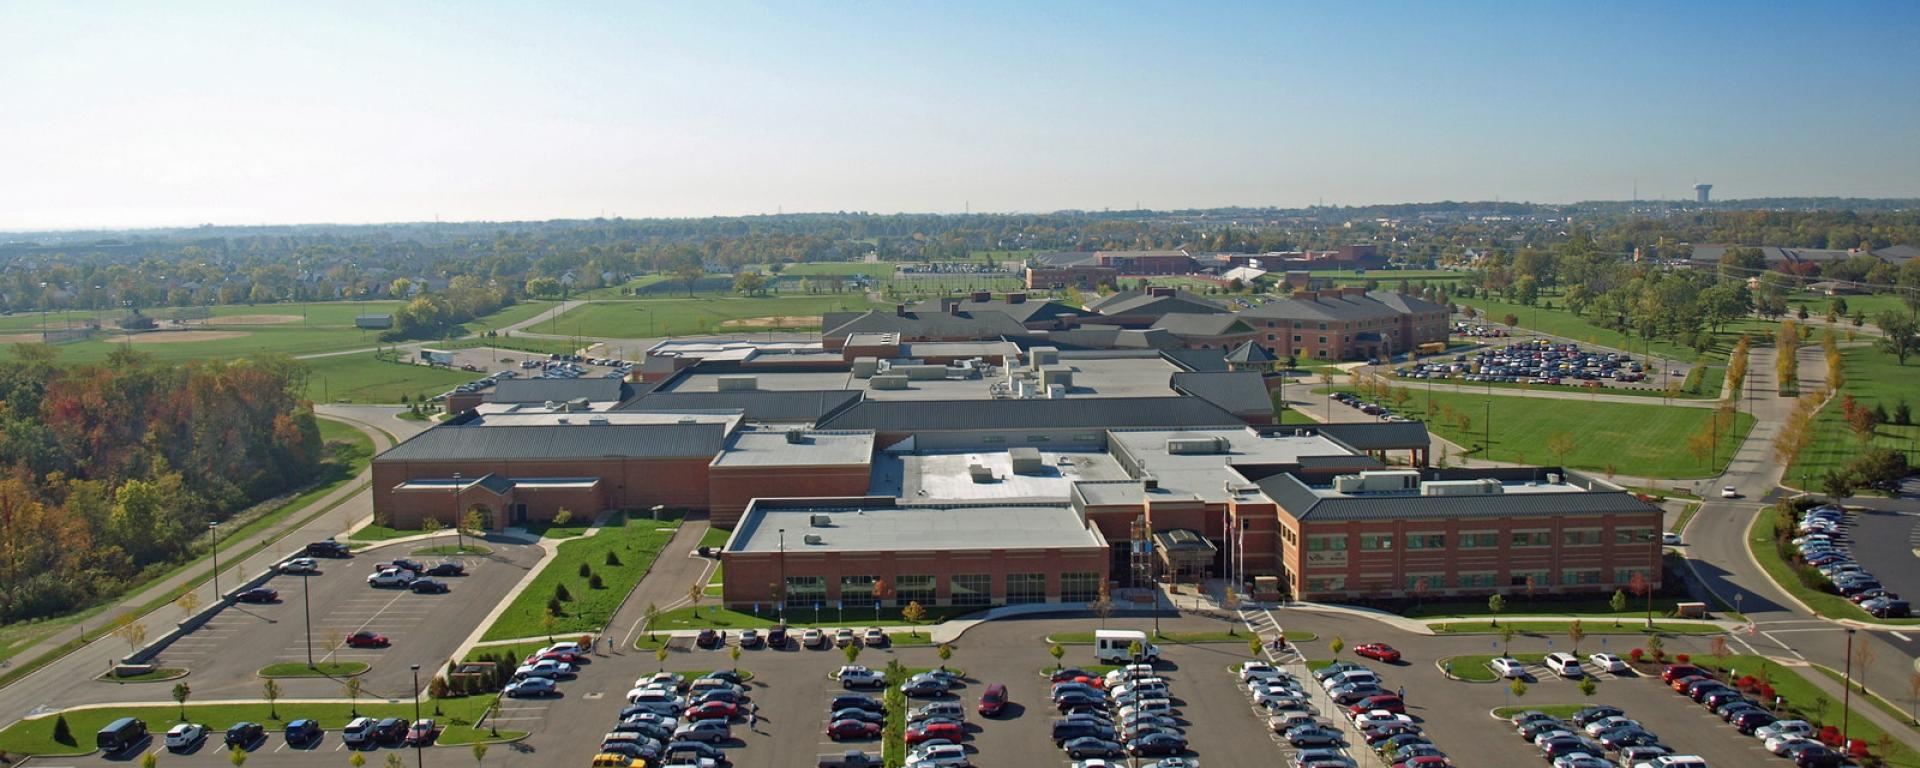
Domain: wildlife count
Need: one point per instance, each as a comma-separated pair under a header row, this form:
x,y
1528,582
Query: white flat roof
x,y
818,447
945,476
919,528
552,418
1205,474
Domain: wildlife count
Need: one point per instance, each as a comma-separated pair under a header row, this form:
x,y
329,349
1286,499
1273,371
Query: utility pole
x,y
783,577
419,758
306,600
214,528
1846,691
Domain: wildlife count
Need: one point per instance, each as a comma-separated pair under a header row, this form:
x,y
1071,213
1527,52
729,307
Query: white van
x,y
1115,645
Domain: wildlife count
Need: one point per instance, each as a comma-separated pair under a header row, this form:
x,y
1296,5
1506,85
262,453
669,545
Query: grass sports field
x,y
1873,378
699,314
1639,440
359,378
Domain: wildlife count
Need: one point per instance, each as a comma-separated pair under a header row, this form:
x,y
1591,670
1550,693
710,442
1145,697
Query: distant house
x,y
373,322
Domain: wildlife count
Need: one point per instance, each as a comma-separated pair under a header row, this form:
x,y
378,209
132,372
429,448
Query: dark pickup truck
x,y
851,758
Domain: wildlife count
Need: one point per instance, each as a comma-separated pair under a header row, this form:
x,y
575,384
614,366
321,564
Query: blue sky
x,y
182,113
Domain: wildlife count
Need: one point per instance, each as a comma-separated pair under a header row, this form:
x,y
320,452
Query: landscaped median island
x,y
1233,636
586,580
1562,711
1803,700
715,616
1633,626
35,736
319,669
155,675
1474,669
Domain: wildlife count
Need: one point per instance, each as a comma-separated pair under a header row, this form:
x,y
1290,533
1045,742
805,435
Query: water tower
x,y
1700,192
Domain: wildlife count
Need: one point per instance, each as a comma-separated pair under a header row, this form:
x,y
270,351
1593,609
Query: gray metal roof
x,y
1201,360
1370,306
1239,392
1305,504
1195,324
1083,412
932,325
573,441
1249,352
798,406
1379,436
1031,310
1113,337
595,390
1140,303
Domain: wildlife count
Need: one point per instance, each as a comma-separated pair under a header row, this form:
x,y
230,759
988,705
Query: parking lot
x,y
1884,543
1681,724
224,656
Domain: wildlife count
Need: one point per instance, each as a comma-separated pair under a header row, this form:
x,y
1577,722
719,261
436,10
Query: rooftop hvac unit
x,y
980,473
865,367
1184,446
1056,392
813,538
1553,478
1485,486
736,383
1043,356
602,420
1149,482
796,436
888,381
820,521
1026,461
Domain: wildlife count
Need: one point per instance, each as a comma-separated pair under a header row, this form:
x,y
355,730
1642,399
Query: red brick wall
x,y
750,576
731,488
624,483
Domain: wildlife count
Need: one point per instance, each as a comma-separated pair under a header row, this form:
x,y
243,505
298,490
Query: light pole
x,y
1488,437
1846,690
214,528
306,606
783,577
419,757
459,539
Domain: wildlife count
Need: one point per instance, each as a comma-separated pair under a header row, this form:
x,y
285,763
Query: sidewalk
x,y
44,685
1861,709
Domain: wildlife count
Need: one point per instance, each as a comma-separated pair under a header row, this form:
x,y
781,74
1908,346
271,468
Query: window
x,y
1531,538
1079,586
1323,339
1625,575
1540,579
856,589
1269,337
1480,540
1580,537
918,589
1326,583
972,589
1426,541
1632,535
1327,543
1476,580
806,591
1423,582
993,439
1038,439
1579,577
1323,326
1026,588
1376,542
1296,338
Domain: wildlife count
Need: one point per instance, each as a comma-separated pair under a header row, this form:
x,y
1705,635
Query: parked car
x,y
327,548
851,677
813,638
300,565
550,669
777,637
389,730
751,638
1377,652
530,687
874,638
185,736
1508,667
391,577
357,733
257,595
422,733
448,568
368,639
709,638
935,730
993,700
852,729
1564,664
1086,747
303,731
244,734
1607,662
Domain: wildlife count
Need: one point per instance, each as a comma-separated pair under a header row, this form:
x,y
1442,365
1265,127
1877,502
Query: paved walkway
x,y
349,503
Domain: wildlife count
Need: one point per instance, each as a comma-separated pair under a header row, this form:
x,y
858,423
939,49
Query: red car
x,y
564,657
1674,671
1425,761
852,729
1070,673
365,639
1377,652
422,733
1386,701
949,731
712,710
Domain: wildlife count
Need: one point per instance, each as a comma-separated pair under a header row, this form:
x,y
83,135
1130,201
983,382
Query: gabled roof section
x,y
596,390
573,441
1069,413
1033,310
1242,393
797,406
1199,360
1140,303
1379,436
1249,353
1112,337
1191,324
1404,302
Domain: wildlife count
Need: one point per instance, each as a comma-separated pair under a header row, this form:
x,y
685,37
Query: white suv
x,y
1565,665
1508,667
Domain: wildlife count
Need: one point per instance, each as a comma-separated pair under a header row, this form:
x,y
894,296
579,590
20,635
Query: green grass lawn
x,y
517,312
360,378
1878,701
377,532
1560,322
35,736
350,451
319,669
1558,629
1827,604
637,542
1562,711
1873,378
1086,638
455,549
1686,516
718,617
1874,304
573,529
1474,669
157,674
1587,608
1628,438
1806,702
698,315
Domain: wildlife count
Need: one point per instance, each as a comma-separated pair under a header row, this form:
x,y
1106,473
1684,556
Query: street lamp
x,y
1846,690
419,758
306,606
783,577
214,528
459,542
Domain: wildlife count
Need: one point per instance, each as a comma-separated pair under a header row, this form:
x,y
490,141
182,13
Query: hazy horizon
x,y
128,115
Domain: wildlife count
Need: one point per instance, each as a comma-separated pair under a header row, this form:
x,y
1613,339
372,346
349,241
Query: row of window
x,y
963,588
1570,537
1420,582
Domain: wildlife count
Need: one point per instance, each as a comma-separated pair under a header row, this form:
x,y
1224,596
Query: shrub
x,y
585,570
1683,658
1637,654
554,607
593,582
1830,736
613,559
560,592
62,732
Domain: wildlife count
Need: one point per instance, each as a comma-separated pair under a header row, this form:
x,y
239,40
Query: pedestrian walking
x,y
1403,694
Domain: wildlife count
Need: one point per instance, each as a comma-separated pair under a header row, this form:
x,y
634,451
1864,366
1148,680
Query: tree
x,y
188,603
733,654
689,273
1637,584
479,753
1864,655
357,760
475,524
1337,644
914,613
945,652
1561,444
653,615
353,694
131,631
271,692
749,283
1254,646
1913,696
1506,636
394,761
180,693
63,733
660,655
1576,632
150,759
695,593
1899,335
1618,604
238,756
430,526
547,622
1496,604
1587,686
1518,687
852,652
1056,651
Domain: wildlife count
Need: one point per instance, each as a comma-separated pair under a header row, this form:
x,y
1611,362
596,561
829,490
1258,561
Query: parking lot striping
x,y
1903,638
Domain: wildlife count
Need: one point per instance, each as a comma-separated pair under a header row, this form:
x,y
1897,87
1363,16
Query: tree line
x,y
109,469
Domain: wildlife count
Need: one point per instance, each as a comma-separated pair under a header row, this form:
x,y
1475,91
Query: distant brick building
x,y
1345,324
